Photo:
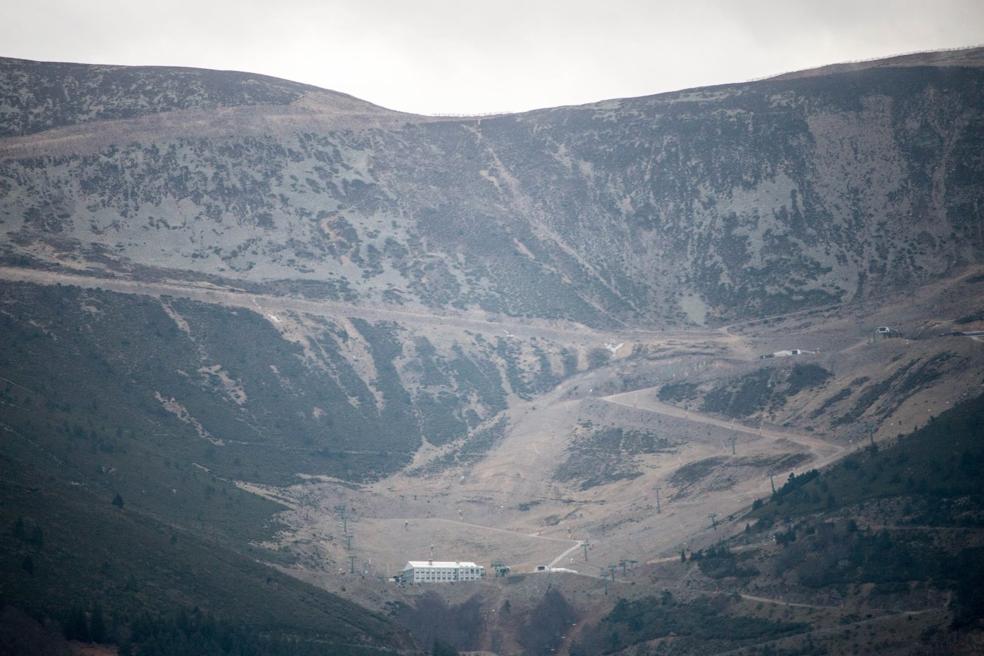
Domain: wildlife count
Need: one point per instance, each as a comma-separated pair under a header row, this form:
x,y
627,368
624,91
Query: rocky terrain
x,y
688,207
278,340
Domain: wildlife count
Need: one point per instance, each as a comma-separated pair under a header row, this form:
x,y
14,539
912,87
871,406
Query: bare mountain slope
x,y
327,335
692,206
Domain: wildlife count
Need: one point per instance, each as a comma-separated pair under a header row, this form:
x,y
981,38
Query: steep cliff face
x,y
696,206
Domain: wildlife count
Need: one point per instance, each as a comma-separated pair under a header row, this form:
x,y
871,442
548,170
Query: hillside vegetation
x,y
880,533
236,308
700,205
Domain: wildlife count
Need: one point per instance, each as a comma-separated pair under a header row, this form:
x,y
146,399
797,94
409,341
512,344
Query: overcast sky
x,y
441,56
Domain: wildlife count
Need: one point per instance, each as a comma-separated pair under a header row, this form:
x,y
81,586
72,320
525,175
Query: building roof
x,y
439,563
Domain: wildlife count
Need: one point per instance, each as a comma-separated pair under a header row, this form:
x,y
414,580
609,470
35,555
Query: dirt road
x,y
269,305
553,563
825,452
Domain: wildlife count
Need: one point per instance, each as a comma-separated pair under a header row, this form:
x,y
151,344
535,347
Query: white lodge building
x,y
436,571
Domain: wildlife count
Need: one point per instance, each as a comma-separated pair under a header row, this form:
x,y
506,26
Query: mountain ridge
x,y
702,205
969,56
327,336
129,91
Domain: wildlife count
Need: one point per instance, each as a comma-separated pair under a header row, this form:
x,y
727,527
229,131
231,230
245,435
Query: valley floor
x,y
616,470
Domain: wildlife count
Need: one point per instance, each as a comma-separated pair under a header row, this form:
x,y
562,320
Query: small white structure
x,y
788,353
438,571
548,569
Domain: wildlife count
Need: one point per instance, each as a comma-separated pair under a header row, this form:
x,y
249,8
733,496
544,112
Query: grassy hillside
x,y
701,626
940,466
881,553
765,389
899,517
69,552
183,387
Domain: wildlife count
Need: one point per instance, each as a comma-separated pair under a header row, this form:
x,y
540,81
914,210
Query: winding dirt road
x,y
824,452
